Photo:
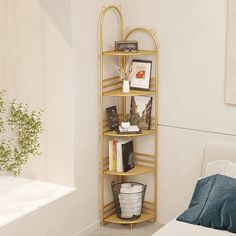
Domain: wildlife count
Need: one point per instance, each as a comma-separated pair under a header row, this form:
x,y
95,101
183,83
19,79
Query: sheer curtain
x,y
36,68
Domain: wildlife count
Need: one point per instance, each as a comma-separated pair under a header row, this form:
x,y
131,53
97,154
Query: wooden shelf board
x,y
114,134
137,170
144,217
119,93
139,53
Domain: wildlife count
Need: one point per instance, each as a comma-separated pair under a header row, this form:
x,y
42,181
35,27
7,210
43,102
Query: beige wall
x,y
80,210
36,68
192,38
230,92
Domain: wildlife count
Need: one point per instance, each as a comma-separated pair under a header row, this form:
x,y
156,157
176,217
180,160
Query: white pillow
x,y
223,167
217,167
231,170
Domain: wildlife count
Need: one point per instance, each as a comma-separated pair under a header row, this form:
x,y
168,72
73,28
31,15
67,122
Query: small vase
x,y
125,86
125,125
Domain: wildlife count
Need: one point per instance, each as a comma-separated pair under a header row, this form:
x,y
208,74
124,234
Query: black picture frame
x,y
123,46
141,74
112,118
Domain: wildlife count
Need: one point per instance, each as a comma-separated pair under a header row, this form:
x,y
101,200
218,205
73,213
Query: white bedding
x,y
213,152
177,228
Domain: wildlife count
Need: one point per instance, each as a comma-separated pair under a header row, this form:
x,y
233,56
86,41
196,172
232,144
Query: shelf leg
x,y
131,227
122,179
102,223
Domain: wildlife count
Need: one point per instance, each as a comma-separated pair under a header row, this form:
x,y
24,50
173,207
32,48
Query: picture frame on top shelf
x,y
126,46
140,76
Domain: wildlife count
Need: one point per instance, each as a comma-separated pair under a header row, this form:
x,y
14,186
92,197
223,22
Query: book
x,y
114,154
140,111
112,118
119,154
131,129
128,155
111,155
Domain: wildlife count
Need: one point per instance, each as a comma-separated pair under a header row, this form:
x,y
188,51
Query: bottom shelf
x,y
116,220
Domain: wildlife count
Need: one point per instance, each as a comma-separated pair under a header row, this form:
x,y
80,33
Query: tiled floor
x,y
144,229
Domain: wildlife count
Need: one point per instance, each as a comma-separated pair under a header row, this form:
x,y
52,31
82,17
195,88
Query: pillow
x,y
217,167
231,170
213,204
223,167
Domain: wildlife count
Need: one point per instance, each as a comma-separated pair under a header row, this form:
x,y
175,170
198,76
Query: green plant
x,y
2,110
126,118
27,126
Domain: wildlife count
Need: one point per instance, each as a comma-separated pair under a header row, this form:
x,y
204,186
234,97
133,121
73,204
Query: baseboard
x,y
88,229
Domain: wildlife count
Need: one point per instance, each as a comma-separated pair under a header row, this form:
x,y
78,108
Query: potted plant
x,y
125,124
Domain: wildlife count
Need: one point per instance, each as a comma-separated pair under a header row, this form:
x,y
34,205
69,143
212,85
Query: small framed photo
x,y
141,74
112,118
126,46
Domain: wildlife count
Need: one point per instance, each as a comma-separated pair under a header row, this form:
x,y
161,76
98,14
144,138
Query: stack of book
x,y
121,155
132,129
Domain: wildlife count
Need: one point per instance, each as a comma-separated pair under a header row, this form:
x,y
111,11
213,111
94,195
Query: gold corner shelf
x,y
111,87
144,132
144,217
138,53
119,93
137,170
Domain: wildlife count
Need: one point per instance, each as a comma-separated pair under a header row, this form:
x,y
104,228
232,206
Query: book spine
x,y
114,155
111,155
119,157
127,155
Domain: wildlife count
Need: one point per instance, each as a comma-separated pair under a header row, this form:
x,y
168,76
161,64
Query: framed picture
x,y
140,111
141,74
112,118
126,46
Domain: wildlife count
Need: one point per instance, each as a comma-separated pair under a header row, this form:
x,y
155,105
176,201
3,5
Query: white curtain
x,y
36,68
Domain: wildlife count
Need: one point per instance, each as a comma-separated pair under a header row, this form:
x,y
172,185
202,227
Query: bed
x,y
213,152
177,228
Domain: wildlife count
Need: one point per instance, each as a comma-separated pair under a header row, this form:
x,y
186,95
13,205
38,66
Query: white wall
x,y
36,68
80,210
192,49
192,36
230,91
52,82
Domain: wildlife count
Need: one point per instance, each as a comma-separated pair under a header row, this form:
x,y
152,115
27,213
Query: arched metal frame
x,y
105,10
122,59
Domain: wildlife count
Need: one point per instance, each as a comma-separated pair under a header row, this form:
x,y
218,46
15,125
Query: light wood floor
x,y
144,229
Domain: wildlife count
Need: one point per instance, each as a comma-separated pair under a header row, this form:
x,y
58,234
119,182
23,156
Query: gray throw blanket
x,y
213,204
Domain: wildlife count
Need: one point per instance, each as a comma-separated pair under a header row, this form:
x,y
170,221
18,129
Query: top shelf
x,y
139,53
